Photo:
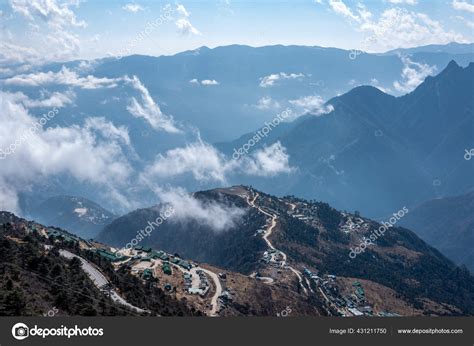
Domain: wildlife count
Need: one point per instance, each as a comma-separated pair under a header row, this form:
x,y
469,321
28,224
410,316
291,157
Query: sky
x,y
38,31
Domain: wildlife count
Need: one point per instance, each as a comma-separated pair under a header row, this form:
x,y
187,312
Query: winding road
x,y
215,297
99,280
269,232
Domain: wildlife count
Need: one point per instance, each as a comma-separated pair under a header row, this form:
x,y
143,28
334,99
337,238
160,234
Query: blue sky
x,y
45,30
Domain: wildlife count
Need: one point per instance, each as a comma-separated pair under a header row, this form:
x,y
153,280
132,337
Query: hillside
x,y
448,225
308,238
37,279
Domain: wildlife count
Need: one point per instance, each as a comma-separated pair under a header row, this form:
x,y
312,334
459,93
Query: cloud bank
x,y
216,215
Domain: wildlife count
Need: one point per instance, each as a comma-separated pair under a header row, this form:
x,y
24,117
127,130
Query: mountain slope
x,y
37,278
300,235
35,281
78,215
447,224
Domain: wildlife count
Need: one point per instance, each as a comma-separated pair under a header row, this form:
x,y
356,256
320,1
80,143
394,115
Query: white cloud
x,y
397,27
216,215
413,74
183,23
270,80
64,77
185,27
312,104
56,14
55,99
182,10
363,12
108,129
36,156
209,82
134,8
269,161
148,109
205,163
201,160
205,82
340,7
266,103
56,41
462,6
11,53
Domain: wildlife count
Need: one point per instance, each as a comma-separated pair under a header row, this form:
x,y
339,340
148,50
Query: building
x,y
109,255
166,268
147,274
185,264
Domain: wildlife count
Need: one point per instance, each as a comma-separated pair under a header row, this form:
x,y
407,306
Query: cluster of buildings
x,y
274,258
203,287
57,234
353,304
337,304
302,211
353,223
195,280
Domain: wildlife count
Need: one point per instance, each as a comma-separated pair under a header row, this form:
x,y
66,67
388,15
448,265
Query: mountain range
x,y
375,152
248,86
374,141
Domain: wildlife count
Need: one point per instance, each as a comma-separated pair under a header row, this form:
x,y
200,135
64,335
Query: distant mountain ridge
x,y
451,48
78,215
376,152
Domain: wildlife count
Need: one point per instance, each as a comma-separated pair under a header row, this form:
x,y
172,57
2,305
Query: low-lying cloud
x,y
271,80
205,163
147,108
413,74
55,99
63,77
312,104
216,215
42,153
